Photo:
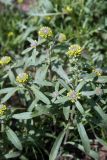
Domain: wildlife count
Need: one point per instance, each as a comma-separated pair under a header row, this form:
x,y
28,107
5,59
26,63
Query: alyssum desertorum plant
x,y
53,100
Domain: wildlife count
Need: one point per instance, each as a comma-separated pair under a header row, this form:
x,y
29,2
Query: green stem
x,y
2,127
50,64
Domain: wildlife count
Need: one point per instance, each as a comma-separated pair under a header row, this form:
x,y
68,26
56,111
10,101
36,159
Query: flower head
x,y
62,37
22,78
2,109
97,71
67,9
10,34
73,95
5,60
20,1
45,32
74,50
48,18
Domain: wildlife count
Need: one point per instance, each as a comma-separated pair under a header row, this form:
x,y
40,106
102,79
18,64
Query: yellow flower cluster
x,y
48,18
73,95
97,71
74,50
2,109
45,32
10,34
5,60
62,37
20,1
22,78
67,9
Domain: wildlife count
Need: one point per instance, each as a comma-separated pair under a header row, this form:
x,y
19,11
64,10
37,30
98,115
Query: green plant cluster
x,y
53,79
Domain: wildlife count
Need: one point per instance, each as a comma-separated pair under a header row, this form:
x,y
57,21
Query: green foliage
x,y
59,103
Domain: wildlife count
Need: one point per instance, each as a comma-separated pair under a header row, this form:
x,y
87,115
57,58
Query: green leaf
x,y
84,137
44,14
7,90
22,37
7,2
11,155
24,115
61,73
102,79
47,5
63,83
39,113
30,40
40,95
104,90
66,111
27,50
80,85
102,115
89,77
40,110
44,83
62,100
13,138
88,93
22,157
79,107
8,95
35,61
32,106
41,75
56,146
100,111
11,76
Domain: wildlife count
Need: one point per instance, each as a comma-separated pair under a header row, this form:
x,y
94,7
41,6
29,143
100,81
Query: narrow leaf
x,y
40,95
24,115
80,85
8,95
11,155
66,111
13,138
84,137
79,107
56,146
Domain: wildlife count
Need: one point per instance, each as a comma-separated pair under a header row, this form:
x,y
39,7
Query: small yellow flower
x,y
45,32
67,9
74,50
1,112
48,18
5,60
97,71
73,95
3,108
22,78
20,1
62,37
10,34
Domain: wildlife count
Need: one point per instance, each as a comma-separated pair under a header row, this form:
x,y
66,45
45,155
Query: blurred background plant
x,y
54,91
